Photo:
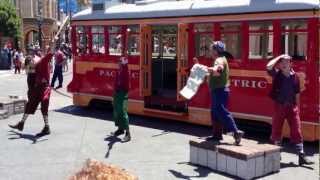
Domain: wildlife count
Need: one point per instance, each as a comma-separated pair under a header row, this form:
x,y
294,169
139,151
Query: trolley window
x,y
133,40
82,40
98,39
115,40
260,40
294,39
231,36
164,41
203,39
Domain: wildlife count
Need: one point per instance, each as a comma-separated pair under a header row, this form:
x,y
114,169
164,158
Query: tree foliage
x,y
10,22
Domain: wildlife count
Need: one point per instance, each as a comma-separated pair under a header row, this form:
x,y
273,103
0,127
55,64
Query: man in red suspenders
x,y
120,100
39,92
285,93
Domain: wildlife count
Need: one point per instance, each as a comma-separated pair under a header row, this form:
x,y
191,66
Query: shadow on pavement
x,y
293,165
200,170
112,140
255,131
167,126
310,148
17,135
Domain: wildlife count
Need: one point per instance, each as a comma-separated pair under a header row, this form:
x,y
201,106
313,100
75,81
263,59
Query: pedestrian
x,y
67,52
5,57
120,100
18,58
57,73
285,94
39,92
219,83
10,58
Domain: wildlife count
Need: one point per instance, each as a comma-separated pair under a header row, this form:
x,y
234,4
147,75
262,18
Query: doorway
x,y
163,94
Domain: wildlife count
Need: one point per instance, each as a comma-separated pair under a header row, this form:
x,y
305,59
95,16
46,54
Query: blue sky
x,y
73,5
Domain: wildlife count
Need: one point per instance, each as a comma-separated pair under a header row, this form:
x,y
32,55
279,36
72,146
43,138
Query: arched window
x,y
82,40
260,40
294,39
98,39
203,39
133,40
231,36
115,40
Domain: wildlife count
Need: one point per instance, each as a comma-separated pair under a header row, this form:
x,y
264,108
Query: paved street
x,y
159,149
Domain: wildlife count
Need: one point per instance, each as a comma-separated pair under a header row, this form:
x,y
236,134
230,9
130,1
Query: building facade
x,y
33,13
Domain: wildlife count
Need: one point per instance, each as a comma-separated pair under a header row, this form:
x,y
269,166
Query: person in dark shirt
x,y
59,61
285,93
120,100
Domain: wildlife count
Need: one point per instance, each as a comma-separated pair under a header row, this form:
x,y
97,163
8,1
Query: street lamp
x,y
39,20
68,13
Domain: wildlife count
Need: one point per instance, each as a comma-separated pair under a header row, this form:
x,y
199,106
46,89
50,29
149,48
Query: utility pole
x,y
39,18
58,9
68,11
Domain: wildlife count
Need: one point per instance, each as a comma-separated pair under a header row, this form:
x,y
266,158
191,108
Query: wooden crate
x,y
248,161
7,104
4,114
19,105
13,104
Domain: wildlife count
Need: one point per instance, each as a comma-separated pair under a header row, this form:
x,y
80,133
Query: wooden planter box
x,y
247,161
12,104
4,114
7,104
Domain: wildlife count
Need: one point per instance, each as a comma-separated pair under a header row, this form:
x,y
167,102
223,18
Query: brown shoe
x,y
304,160
238,136
18,126
45,131
127,137
118,132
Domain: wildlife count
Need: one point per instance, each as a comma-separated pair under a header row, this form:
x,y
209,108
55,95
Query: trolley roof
x,y
159,9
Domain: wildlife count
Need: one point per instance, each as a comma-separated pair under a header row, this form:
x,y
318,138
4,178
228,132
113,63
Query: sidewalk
x,y
159,149
6,71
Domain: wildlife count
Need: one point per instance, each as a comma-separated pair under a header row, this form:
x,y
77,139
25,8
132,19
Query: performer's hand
x,y
214,71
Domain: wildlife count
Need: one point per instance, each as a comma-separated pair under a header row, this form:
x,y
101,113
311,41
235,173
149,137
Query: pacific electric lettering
x,y
245,83
241,83
112,73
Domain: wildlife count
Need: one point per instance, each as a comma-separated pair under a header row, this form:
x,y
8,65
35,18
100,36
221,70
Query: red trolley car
x,y
160,38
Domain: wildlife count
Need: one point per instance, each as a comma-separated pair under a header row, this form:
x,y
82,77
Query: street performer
x,y
39,91
285,94
219,83
31,69
120,100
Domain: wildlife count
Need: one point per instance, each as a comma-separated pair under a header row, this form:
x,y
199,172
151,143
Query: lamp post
x,y
68,13
39,20
58,10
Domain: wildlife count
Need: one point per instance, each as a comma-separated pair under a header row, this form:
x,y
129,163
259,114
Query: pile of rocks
x,y
11,105
95,170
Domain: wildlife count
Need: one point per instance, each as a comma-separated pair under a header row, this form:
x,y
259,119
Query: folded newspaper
x,y
197,75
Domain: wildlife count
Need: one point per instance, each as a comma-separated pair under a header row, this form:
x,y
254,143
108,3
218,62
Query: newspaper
x,y
198,73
